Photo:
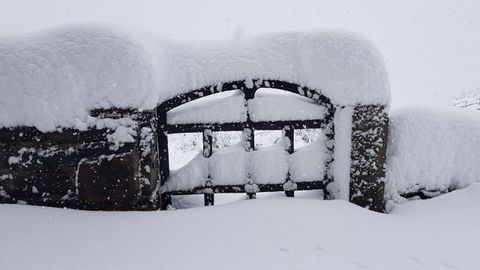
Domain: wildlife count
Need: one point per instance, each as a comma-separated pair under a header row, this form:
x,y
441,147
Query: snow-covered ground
x,y
275,233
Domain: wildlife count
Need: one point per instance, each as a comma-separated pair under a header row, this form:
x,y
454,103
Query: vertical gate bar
x,y
329,131
164,168
248,137
207,143
207,152
209,199
289,132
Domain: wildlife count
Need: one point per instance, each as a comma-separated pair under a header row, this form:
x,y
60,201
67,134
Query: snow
x,y
308,163
340,189
120,136
183,147
14,160
275,233
432,148
226,165
275,105
193,174
53,78
233,166
227,107
269,165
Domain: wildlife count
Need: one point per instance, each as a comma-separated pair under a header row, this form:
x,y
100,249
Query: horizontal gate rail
x,y
264,125
313,185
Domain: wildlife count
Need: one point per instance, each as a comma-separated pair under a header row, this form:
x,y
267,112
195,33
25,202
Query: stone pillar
x,y
368,156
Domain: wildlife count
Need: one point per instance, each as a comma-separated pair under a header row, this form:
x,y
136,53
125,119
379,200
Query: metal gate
x,y
249,88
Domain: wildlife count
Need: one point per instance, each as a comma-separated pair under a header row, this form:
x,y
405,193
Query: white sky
x,y
431,47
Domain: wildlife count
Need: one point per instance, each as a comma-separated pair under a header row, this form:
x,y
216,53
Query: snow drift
x,y
267,165
54,78
433,149
276,233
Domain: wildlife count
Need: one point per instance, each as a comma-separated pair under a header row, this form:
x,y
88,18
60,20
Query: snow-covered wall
x,y
111,167
432,149
53,78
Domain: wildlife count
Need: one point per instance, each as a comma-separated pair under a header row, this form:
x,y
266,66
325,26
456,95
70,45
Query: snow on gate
x,y
241,168
87,109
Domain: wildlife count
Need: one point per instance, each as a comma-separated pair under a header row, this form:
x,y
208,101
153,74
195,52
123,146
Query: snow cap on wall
x,y
53,78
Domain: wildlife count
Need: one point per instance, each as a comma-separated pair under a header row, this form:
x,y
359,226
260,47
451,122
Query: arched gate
x,y
249,88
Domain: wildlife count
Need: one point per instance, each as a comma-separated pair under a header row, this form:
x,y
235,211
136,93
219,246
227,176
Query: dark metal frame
x,y
248,87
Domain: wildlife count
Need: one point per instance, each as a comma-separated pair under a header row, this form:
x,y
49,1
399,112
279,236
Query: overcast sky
x,y
432,48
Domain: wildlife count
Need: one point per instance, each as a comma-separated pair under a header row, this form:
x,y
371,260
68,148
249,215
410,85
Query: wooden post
x,y
164,168
207,152
289,133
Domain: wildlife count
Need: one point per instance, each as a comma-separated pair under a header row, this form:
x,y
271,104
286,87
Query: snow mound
x,y
53,78
433,149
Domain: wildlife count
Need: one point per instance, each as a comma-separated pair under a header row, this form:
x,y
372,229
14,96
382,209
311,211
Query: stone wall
x,y
81,169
